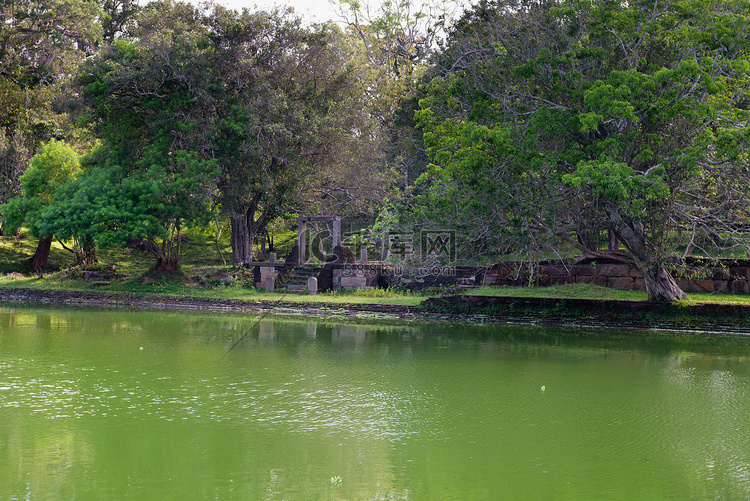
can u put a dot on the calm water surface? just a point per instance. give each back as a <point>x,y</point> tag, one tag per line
<point>125,405</point>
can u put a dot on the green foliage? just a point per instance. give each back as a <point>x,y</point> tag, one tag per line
<point>546,122</point>
<point>619,183</point>
<point>50,171</point>
<point>241,113</point>
<point>41,45</point>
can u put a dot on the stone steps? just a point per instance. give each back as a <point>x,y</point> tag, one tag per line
<point>296,281</point>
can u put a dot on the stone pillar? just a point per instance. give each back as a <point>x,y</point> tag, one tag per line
<point>336,231</point>
<point>301,231</point>
<point>363,256</point>
<point>268,284</point>
<point>273,257</point>
<point>312,285</point>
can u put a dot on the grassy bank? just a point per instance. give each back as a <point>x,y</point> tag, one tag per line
<point>588,291</point>
<point>186,289</point>
<point>202,262</point>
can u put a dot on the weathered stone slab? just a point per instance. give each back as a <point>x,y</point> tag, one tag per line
<point>613,270</point>
<point>639,284</point>
<point>312,285</point>
<point>353,282</point>
<point>585,279</point>
<point>720,273</point>
<point>554,271</point>
<point>566,279</point>
<point>582,269</point>
<point>620,282</point>
<point>635,273</point>
<point>721,285</point>
<point>739,287</point>
<point>268,284</point>
<point>600,281</point>
<point>269,274</point>
<point>701,285</point>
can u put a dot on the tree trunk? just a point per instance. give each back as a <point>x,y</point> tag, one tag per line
<point>660,284</point>
<point>167,255</point>
<point>40,261</point>
<point>242,243</point>
<point>244,229</point>
<point>613,242</point>
<point>166,266</point>
<point>87,257</point>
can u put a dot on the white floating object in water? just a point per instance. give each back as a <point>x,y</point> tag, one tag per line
<point>142,350</point>
<point>542,386</point>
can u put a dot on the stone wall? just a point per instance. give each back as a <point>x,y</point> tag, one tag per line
<point>733,277</point>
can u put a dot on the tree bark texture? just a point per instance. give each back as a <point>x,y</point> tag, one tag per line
<point>244,228</point>
<point>40,261</point>
<point>242,244</point>
<point>660,284</point>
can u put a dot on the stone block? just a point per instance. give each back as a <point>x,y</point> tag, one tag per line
<point>639,284</point>
<point>267,274</point>
<point>719,273</point>
<point>268,284</point>
<point>585,279</point>
<point>620,282</point>
<point>721,285</point>
<point>555,270</point>
<point>353,282</point>
<point>683,284</point>
<point>600,281</point>
<point>635,273</point>
<point>567,279</point>
<point>739,273</point>
<point>739,287</point>
<point>312,285</point>
<point>582,269</point>
<point>613,270</point>
<point>701,285</point>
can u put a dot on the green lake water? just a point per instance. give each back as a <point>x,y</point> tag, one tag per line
<point>118,405</point>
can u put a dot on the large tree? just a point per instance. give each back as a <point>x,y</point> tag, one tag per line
<point>41,45</point>
<point>554,121</point>
<point>146,96</point>
<point>50,171</point>
<point>242,109</point>
<point>395,39</point>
